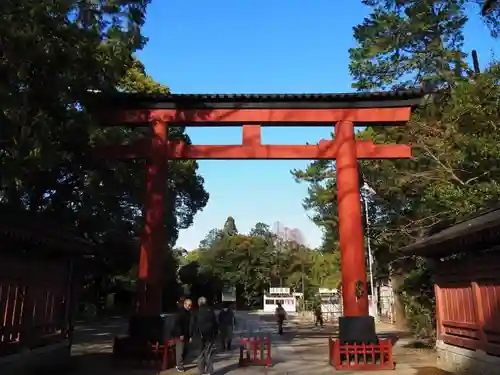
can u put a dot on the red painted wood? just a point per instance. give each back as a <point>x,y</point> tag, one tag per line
<point>255,151</point>
<point>219,117</point>
<point>468,303</point>
<point>31,293</point>
<point>152,241</point>
<point>352,252</point>
<point>361,357</point>
<point>254,346</point>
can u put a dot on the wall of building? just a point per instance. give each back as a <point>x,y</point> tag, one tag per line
<point>468,314</point>
<point>288,303</point>
<point>471,362</point>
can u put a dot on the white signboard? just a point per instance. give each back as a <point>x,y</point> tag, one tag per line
<point>279,290</point>
<point>229,295</point>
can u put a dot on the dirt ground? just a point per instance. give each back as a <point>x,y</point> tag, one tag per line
<point>303,349</point>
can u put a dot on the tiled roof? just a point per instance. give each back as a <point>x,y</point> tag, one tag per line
<point>400,98</point>
<point>481,230</point>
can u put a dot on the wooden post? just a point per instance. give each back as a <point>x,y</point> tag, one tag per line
<point>153,238</point>
<point>481,318</point>
<point>354,291</point>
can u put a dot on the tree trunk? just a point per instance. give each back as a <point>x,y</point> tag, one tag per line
<point>399,308</point>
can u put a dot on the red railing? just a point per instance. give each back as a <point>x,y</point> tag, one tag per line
<point>468,304</point>
<point>33,309</point>
<point>255,351</point>
<point>361,357</point>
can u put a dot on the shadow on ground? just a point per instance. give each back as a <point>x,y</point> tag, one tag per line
<point>92,352</point>
<point>432,371</point>
<point>94,333</point>
<point>102,364</point>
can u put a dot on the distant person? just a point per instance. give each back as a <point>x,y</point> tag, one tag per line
<point>206,326</point>
<point>227,323</point>
<point>280,317</point>
<point>182,333</point>
<point>319,316</point>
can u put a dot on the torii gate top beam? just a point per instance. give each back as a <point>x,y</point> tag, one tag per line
<point>377,108</point>
<point>253,111</point>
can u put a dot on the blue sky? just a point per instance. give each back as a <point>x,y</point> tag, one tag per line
<point>259,46</point>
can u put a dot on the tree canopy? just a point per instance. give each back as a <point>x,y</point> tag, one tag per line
<point>49,67</point>
<point>254,262</point>
<point>454,136</point>
<point>411,42</point>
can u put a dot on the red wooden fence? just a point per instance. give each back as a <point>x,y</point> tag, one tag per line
<point>33,302</point>
<point>468,303</point>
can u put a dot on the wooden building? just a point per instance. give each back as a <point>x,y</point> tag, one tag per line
<point>467,288</point>
<point>37,260</point>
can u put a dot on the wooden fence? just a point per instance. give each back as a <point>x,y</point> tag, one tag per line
<point>34,302</point>
<point>468,303</point>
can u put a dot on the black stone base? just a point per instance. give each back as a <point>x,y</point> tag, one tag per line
<point>357,329</point>
<point>156,328</point>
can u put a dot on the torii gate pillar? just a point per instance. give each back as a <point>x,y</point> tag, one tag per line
<point>150,284</point>
<point>353,265</point>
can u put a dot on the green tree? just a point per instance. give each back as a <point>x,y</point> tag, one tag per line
<point>413,42</point>
<point>406,43</point>
<point>491,14</point>
<point>450,176</point>
<point>453,172</point>
<point>325,270</point>
<point>50,66</point>
<point>321,200</point>
<point>137,80</point>
<point>251,272</point>
<point>212,237</point>
<point>260,229</point>
<point>238,260</point>
<point>230,227</point>
<point>193,255</point>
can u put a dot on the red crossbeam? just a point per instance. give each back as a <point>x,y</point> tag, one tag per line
<point>324,150</point>
<point>252,148</point>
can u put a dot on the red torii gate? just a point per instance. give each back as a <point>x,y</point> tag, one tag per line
<point>343,111</point>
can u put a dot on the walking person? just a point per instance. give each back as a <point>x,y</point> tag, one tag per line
<point>280,317</point>
<point>319,316</point>
<point>207,328</point>
<point>227,323</point>
<point>182,333</point>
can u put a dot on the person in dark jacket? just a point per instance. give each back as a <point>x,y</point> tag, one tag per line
<point>319,316</point>
<point>227,322</point>
<point>207,328</point>
<point>182,332</point>
<point>280,314</point>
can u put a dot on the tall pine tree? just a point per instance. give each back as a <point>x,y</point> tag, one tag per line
<point>404,43</point>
